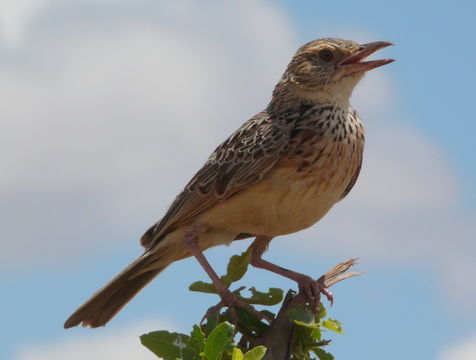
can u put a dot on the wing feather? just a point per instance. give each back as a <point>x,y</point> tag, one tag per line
<point>239,162</point>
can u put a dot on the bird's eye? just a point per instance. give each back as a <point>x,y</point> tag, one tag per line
<point>326,54</point>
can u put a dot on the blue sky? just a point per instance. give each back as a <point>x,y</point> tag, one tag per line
<point>109,107</point>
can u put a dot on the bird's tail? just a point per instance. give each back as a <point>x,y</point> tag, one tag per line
<point>105,303</point>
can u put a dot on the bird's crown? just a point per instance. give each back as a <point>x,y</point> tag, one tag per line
<point>328,69</point>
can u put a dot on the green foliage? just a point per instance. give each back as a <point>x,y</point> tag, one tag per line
<point>256,353</point>
<point>169,346</point>
<point>215,339</point>
<point>219,341</point>
<point>237,267</point>
<point>272,297</point>
<point>307,337</point>
<point>235,270</point>
<point>333,325</point>
<point>217,346</point>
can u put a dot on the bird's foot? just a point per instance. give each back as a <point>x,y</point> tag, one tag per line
<point>230,300</point>
<point>312,290</point>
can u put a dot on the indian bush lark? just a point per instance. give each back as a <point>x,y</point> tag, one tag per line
<point>279,173</point>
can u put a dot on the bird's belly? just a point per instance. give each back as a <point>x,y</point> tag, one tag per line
<point>290,198</point>
<point>296,203</point>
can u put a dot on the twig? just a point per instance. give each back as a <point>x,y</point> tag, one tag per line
<point>338,273</point>
<point>278,338</point>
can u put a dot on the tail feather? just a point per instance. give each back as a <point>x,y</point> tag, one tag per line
<point>105,303</point>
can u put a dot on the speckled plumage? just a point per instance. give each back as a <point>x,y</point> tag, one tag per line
<point>279,173</point>
<point>319,147</point>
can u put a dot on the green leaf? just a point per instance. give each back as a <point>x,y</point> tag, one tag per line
<point>237,291</point>
<point>333,325</point>
<point>225,280</point>
<point>272,297</point>
<point>249,323</point>
<point>218,340</point>
<point>237,267</point>
<point>212,322</point>
<point>316,334</point>
<point>322,312</point>
<point>204,287</point>
<point>270,315</point>
<point>237,354</point>
<point>323,355</point>
<point>256,353</point>
<point>197,339</point>
<point>168,346</point>
<point>301,315</point>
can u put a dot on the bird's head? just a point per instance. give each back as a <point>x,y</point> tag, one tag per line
<point>328,69</point>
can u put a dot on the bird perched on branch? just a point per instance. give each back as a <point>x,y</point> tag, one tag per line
<point>279,173</point>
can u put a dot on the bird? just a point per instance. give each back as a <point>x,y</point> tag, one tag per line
<point>279,173</point>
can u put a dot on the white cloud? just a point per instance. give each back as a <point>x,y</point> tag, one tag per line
<point>17,16</point>
<point>14,18</point>
<point>464,350</point>
<point>108,113</point>
<point>118,344</point>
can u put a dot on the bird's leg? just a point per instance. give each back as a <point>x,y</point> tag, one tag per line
<point>311,288</point>
<point>227,298</point>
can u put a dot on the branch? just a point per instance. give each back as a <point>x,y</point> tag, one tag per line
<point>281,339</point>
<point>277,339</point>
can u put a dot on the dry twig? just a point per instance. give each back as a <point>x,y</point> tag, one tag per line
<point>277,339</point>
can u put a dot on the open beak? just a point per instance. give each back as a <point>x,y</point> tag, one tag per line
<point>354,64</point>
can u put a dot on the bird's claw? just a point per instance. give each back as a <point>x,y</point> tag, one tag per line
<point>312,290</point>
<point>229,300</point>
